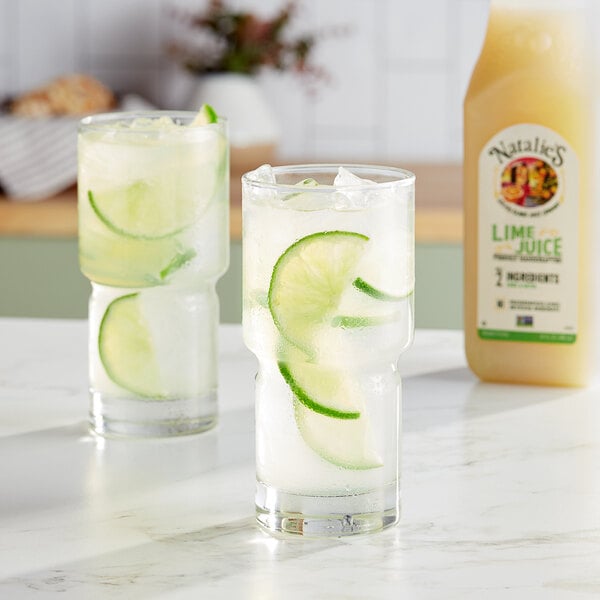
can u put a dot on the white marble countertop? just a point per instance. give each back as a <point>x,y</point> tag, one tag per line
<point>501,490</point>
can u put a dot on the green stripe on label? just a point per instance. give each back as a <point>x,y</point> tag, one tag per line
<point>527,336</point>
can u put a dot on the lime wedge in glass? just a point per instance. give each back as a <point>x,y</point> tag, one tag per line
<point>206,115</point>
<point>360,284</point>
<point>169,191</point>
<point>321,389</point>
<point>356,321</point>
<point>346,443</point>
<point>127,262</point>
<point>369,306</point>
<point>143,209</point>
<point>126,348</point>
<point>308,281</point>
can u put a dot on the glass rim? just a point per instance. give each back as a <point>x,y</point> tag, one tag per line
<point>98,121</point>
<point>403,177</point>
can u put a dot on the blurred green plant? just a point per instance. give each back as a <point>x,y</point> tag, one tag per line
<point>220,39</point>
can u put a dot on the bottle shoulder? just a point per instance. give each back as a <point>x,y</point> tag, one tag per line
<point>549,46</point>
<point>529,86</point>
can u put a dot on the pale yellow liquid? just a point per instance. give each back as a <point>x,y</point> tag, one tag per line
<point>533,68</point>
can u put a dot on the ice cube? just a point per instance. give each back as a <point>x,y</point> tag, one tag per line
<point>264,174</point>
<point>345,178</point>
<point>350,199</point>
<point>145,123</point>
<point>360,193</point>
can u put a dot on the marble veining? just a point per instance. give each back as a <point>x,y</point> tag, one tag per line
<point>501,490</point>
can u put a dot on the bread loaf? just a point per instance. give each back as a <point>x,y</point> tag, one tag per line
<point>69,95</point>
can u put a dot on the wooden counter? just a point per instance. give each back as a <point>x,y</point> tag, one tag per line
<point>438,209</point>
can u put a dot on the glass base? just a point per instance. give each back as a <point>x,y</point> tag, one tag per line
<point>138,417</point>
<point>326,516</point>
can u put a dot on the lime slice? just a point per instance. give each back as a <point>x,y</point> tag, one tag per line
<point>347,443</point>
<point>206,115</point>
<point>145,210</point>
<point>308,182</point>
<point>354,321</point>
<point>320,389</point>
<point>126,262</point>
<point>179,260</point>
<point>168,186</point>
<point>126,348</point>
<point>304,200</point>
<point>308,280</point>
<point>367,288</point>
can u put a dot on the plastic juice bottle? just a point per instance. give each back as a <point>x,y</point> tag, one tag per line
<point>529,261</point>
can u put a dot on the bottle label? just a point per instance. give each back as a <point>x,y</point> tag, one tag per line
<point>528,246</point>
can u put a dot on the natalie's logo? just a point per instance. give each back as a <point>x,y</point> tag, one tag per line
<point>528,182</point>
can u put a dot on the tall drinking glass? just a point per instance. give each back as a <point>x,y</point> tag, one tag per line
<point>328,308</point>
<point>153,240</point>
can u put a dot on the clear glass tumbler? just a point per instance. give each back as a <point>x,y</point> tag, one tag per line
<point>328,309</point>
<point>153,241</point>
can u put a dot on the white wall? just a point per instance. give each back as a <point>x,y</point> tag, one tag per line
<point>397,79</point>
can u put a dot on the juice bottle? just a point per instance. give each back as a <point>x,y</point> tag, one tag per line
<point>528,162</point>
